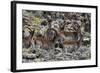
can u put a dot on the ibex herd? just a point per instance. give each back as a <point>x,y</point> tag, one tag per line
<point>54,33</point>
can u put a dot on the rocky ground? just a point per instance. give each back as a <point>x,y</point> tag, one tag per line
<point>82,53</point>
